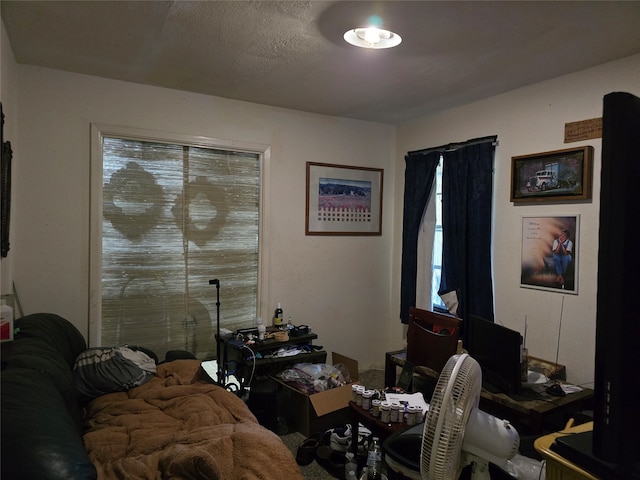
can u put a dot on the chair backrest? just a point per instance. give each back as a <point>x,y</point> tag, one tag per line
<point>431,338</point>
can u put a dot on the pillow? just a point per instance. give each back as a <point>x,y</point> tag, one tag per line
<point>178,355</point>
<point>111,369</point>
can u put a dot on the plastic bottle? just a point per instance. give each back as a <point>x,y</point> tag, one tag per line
<point>374,460</point>
<point>278,317</point>
<point>350,467</point>
<point>385,412</point>
<point>261,328</point>
<point>366,399</point>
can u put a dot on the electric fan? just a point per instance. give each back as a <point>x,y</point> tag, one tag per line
<point>457,433</point>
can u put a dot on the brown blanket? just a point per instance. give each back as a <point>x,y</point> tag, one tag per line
<point>177,426</point>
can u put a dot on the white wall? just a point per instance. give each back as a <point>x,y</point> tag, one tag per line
<point>531,120</point>
<point>8,95</point>
<point>337,285</point>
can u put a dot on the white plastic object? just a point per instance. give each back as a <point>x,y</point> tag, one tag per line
<point>261,328</point>
<point>457,433</point>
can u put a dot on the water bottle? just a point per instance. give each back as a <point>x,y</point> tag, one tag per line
<point>261,328</point>
<point>374,460</point>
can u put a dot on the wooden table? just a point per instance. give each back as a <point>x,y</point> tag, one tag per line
<point>558,467</point>
<point>532,408</point>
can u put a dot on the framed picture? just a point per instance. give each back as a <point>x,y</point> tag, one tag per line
<point>343,200</point>
<point>558,176</point>
<point>550,253</point>
<point>6,155</point>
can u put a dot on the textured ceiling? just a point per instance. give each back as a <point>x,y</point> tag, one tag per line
<point>291,53</point>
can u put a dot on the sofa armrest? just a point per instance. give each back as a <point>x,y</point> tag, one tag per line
<point>40,438</point>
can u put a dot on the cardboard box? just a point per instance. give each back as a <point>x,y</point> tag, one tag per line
<point>321,411</point>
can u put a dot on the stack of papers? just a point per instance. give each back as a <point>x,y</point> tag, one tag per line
<point>412,399</point>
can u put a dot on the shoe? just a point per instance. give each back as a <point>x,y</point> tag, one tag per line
<point>306,451</point>
<point>340,439</point>
<point>332,461</point>
<point>323,454</point>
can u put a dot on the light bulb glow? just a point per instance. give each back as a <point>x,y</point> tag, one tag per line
<point>372,37</point>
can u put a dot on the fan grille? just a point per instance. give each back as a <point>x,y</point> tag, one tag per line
<point>456,394</point>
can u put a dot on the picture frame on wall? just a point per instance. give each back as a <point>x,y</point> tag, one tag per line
<point>552,177</point>
<point>549,258</point>
<point>343,200</point>
<point>6,157</point>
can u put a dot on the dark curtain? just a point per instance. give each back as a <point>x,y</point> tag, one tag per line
<point>467,208</point>
<point>419,174</point>
<point>467,193</point>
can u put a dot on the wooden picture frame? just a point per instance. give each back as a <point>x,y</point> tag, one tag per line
<point>559,176</point>
<point>541,267</point>
<point>6,156</point>
<point>343,200</point>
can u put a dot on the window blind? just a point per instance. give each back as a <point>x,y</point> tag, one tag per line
<point>174,217</point>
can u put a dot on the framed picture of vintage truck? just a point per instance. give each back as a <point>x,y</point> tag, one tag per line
<point>552,177</point>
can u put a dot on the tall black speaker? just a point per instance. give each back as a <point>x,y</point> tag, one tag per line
<point>616,432</point>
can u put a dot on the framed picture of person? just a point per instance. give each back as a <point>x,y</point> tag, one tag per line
<point>550,253</point>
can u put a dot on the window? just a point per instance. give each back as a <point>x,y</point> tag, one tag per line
<point>436,260</point>
<point>175,215</point>
<point>429,264</point>
<point>467,194</point>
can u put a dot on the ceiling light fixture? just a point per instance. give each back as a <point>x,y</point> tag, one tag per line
<point>372,37</point>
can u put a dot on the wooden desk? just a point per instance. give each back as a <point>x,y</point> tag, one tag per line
<point>378,428</point>
<point>559,468</point>
<point>534,409</point>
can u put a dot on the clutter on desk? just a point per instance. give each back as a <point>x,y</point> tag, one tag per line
<point>391,405</point>
<point>310,378</point>
<point>279,352</point>
<point>273,342</point>
<point>278,336</point>
<point>299,331</point>
<point>568,388</point>
<point>262,333</point>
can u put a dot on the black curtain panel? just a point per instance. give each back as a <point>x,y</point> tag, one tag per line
<point>467,208</point>
<point>419,174</point>
<point>467,193</point>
